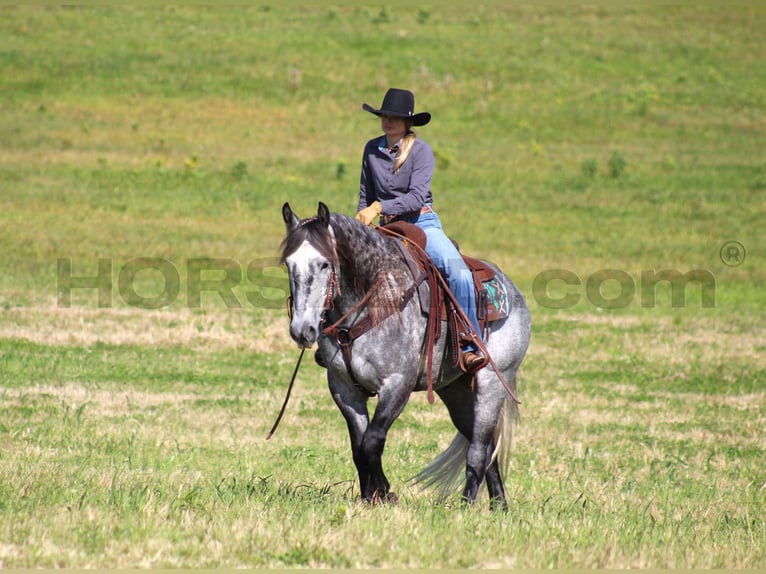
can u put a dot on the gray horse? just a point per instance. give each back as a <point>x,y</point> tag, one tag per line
<point>342,272</point>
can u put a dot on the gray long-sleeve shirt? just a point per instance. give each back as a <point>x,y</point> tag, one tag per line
<point>407,190</point>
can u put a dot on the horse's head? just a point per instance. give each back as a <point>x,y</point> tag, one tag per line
<point>308,250</point>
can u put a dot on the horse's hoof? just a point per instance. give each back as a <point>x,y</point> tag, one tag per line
<point>388,498</point>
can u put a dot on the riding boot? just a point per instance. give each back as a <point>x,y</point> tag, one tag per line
<point>473,360</point>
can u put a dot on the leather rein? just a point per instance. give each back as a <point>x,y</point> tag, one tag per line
<point>345,336</point>
<point>333,286</point>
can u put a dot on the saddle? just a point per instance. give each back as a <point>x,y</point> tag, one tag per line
<point>492,301</point>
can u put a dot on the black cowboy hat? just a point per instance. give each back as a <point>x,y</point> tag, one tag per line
<point>400,104</point>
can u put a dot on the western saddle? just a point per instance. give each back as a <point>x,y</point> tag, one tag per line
<point>438,303</point>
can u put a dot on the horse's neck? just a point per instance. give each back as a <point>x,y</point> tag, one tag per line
<point>364,256</point>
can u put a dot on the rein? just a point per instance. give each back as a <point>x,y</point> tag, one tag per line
<point>287,396</point>
<point>345,337</point>
<point>334,328</point>
<point>332,286</point>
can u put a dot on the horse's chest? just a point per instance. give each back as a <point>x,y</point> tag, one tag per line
<point>371,362</point>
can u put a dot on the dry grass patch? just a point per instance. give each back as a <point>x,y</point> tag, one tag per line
<point>236,329</point>
<point>180,418</point>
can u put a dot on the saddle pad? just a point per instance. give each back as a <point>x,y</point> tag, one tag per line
<point>497,298</point>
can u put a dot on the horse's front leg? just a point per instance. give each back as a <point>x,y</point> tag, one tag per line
<point>392,399</point>
<point>353,405</point>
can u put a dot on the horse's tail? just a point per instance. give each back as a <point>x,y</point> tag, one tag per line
<point>446,472</point>
<point>509,416</point>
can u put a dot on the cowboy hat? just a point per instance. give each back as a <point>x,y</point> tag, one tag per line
<point>400,104</point>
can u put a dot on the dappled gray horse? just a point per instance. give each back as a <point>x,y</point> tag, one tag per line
<point>341,270</point>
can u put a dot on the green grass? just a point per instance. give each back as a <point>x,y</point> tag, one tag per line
<point>164,451</point>
<point>582,139</point>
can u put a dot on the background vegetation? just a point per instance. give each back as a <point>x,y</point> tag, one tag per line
<point>578,139</point>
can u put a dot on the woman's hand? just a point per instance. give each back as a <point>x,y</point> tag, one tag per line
<point>369,213</point>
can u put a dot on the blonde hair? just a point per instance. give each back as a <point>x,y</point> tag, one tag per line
<point>405,147</point>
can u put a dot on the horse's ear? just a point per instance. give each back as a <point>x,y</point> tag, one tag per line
<point>323,213</point>
<point>291,220</point>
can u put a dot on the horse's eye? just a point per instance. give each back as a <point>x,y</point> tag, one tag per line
<point>325,265</point>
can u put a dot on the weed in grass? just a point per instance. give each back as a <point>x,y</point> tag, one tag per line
<point>617,165</point>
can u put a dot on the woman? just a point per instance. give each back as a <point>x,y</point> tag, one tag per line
<point>396,185</point>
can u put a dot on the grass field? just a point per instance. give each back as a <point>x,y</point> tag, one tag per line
<point>569,141</point>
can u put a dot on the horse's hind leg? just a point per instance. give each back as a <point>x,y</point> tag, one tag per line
<point>476,461</point>
<point>461,402</point>
<point>495,487</point>
<point>459,398</point>
<point>475,416</point>
<point>486,410</point>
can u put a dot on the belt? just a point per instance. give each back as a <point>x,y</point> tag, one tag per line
<point>386,219</point>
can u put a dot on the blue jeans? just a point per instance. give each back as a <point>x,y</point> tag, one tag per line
<point>450,263</point>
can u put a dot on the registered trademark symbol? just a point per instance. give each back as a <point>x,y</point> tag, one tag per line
<point>733,253</point>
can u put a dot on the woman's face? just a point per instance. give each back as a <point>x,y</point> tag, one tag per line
<point>393,127</point>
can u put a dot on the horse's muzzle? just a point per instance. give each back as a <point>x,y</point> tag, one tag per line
<point>304,334</point>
